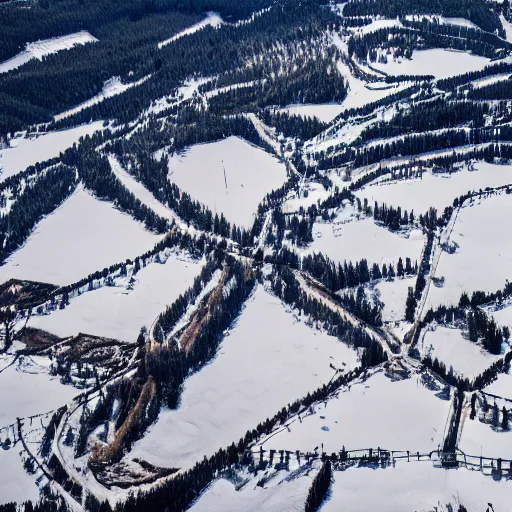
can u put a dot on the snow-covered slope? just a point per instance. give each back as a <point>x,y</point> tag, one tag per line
<point>40,49</point>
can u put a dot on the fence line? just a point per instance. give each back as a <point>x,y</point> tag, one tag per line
<point>496,466</point>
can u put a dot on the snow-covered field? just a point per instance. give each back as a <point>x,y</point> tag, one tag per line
<point>503,316</point>
<point>82,236</point>
<point>267,360</point>
<point>315,192</point>
<point>502,386</point>
<point>29,150</point>
<point>45,47</point>
<point>16,485</point>
<point>393,294</point>
<point>450,347</point>
<point>480,439</point>
<point>400,415</point>
<point>250,174</point>
<point>325,112</point>
<point>437,62</point>
<point>28,389</point>
<point>416,486</point>
<point>436,190</point>
<point>365,239</point>
<point>212,19</point>
<point>285,491</point>
<point>119,312</point>
<point>483,260</point>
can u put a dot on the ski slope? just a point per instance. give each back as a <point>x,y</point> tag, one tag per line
<point>16,485</point>
<point>393,295</point>
<point>449,346</point>
<point>477,232</point>
<point>365,239</point>
<point>415,486</point>
<point>28,389</point>
<point>482,439</point>
<point>436,190</point>
<point>284,491</point>
<point>40,49</point>
<point>212,19</point>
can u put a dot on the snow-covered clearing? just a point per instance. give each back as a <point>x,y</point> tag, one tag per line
<point>325,112</point>
<point>212,19</point>
<point>260,366</point>
<point>120,311</point>
<point>376,25</point>
<point>503,316</point>
<point>16,485</point>
<point>250,173</point>
<point>480,438</point>
<point>393,295</point>
<point>365,239</point>
<point>82,236</point>
<point>111,87</point>
<point>489,80</point>
<point>441,20</point>
<point>508,28</point>
<point>404,487</point>
<point>284,491</point>
<point>438,62</point>
<point>436,190</point>
<point>479,236</point>
<point>45,47</point>
<point>360,93</point>
<point>28,389</point>
<point>315,192</point>
<point>416,486</point>
<point>378,412</point>
<point>140,191</point>
<point>455,351</point>
<point>26,150</point>
<point>502,386</point>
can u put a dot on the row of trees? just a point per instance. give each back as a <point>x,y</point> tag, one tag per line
<point>291,125</point>
<point>287,288</point>
<point>477,11</point>
<point>416,144</point>
<point>430,115</point>
<point>39,198</point>
<point>336,277</point>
